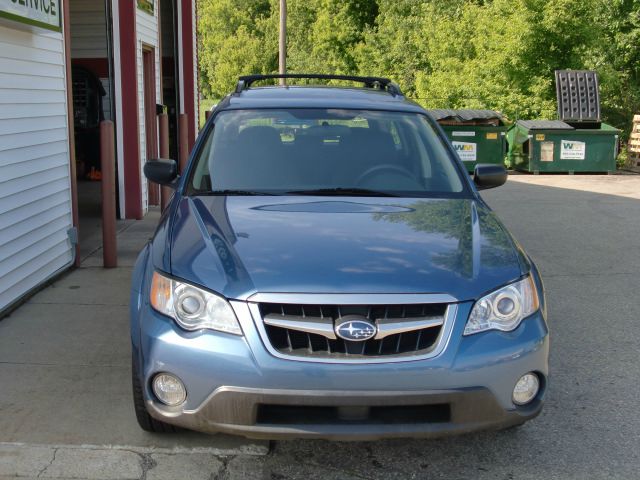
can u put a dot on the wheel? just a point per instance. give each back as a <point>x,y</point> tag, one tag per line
<point>146,421</point>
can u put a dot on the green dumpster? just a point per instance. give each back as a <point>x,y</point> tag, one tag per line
<point>477,135</point>
<point>554,146</point>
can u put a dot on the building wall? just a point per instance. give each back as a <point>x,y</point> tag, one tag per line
<point>88,29</point>
<point>147,31</point>
<point>35,196</point>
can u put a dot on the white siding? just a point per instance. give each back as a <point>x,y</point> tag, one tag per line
<point>35,196</point>
<point>147,31</point>
<point>88,29</point>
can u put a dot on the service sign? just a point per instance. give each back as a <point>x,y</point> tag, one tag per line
<point>39,13</point>
<point>572,150</point>
<point>467,151</point>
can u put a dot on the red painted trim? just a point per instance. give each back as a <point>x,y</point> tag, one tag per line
<point>130,121</point>
<point>188,64</point>
<point>99,66</point>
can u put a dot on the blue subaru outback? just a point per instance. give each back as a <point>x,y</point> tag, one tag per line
<point>327,269</point>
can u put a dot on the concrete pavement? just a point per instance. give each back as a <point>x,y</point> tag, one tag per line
<point>64,366</point>
<point>65,394</point>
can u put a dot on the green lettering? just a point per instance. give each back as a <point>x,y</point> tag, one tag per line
<point>52,7</point>
<point>45,7</point>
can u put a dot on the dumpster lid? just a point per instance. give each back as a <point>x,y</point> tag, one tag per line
<point>545,125</point>
<point>465,115</point>
<point>578,94</point>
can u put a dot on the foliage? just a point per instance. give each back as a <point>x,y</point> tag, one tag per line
<point>497,54</point>
<point>236,38</point>
<point>618,59</point>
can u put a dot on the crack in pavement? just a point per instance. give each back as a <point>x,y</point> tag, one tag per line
<point>53,459</point>
<point>221,474</point>
<point>147,463</point>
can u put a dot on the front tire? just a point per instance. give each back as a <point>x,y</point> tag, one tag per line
<point>146,421</point>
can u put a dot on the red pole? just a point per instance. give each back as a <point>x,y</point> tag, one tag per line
<point>108,167</point>
<point>163,131</point>
<point>183,147</point>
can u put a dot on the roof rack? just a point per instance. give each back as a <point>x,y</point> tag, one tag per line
<point>379,83</point>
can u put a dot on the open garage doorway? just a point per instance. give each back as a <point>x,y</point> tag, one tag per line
<point>150,115</point>
<point>127,68</point>
<point>170,81</point>
<point>92,91</point>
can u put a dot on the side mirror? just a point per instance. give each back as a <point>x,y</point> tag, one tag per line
<point>161,171</point>
<point>489,176</point>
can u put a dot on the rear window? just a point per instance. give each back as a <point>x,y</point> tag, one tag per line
<point>292,151</point>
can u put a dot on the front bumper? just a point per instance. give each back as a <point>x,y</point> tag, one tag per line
<point>230,381</point>
<point>235,410</point>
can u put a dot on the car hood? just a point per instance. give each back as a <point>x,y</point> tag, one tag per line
<point>239,245</point>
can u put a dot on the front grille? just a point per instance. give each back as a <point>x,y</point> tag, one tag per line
<point>387,415</point>
<point>419,327</point>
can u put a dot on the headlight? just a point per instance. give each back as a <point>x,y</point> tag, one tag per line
<point>191,307</point>
<point>504,309</point>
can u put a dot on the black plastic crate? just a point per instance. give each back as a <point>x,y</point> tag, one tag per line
<point>578,95</point>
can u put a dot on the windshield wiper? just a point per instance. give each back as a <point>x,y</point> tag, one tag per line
<point>363,192</point>
<point>235,192</point>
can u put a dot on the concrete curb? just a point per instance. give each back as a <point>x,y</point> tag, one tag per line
<point>115,462</point>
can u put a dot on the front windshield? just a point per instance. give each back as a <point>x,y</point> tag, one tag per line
<point>321,151</point>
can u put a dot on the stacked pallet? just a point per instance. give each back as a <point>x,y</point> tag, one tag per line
<point>634,143</point>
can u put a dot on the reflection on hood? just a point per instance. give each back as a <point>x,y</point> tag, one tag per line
<point>241,245</point>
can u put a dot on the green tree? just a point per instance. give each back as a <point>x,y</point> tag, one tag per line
<point>235,38</point>
<point>616,58</point>
<point>323,34</point>
<point>497,54</point>
<point>502,54</point>
<point>394,46</point>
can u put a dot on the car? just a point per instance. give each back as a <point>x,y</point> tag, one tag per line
<point>326,268</point>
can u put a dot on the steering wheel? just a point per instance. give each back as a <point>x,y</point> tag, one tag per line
<point>387,167</point>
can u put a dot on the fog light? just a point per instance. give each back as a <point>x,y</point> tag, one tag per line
<point>526,389</point>
<point>169,389</point>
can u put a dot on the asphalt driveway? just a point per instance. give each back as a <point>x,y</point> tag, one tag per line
<point>584,234</point>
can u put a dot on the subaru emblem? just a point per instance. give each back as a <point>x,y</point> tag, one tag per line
<point>355,328</point>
